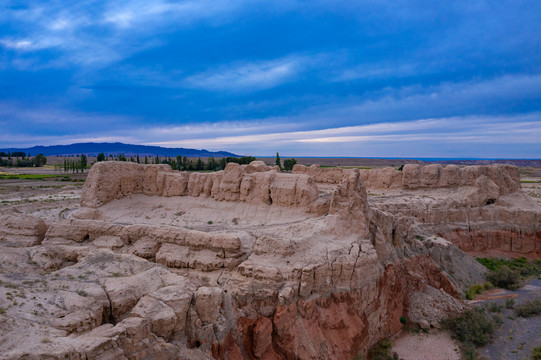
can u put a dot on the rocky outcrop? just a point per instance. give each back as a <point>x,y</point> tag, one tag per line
<point>27,231</point>
<point>171,246</point>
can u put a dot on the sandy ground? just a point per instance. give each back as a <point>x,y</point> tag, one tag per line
<point>433,345</point>
<point>50,198</point>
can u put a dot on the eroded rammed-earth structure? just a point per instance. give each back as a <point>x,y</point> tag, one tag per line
<point>252,263</point>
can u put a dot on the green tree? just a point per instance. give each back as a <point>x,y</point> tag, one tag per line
<point>138,160</point>
<point>211,164</point>
<point>289,163</point>
<point>278,162</point>
<point>84,162</point>
<point>184,163</point>
<point>101,157</point>
<point>245,160</point>
<point>40,160</point>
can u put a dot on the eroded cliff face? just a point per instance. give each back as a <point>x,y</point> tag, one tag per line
<point>481,209</point>
<point>251,263</point>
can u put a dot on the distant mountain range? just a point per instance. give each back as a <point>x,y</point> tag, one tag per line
<point>93,149</point>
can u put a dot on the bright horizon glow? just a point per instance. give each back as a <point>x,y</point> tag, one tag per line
<point>352,79</point>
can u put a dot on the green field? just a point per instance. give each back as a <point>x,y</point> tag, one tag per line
<point>9,176</point>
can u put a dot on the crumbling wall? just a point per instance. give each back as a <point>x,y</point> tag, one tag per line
<point>414,176</point>
<point>254,183</point>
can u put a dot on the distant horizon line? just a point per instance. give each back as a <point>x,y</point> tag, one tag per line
<point>422,158</point>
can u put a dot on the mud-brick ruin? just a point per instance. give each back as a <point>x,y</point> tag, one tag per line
<point>253,263</point>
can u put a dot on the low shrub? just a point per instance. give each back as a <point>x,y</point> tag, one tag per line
<point>382,351</point>
<point>477,289</point>
<point>495,307</point>
<point>473,328</point>
<point>509,303</point>
<point>529,308</point>
<point>505,277</point>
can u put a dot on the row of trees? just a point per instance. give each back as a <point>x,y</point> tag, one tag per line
<point>180,162</point>
<point>36,161</point>
<point>73,165</point>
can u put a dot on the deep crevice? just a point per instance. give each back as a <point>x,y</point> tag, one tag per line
<point>108,318</point>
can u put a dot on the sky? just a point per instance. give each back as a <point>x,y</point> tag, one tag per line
<point>447,79</point>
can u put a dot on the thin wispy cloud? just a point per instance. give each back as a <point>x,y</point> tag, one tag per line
<point>100,32</point>
<point>128,14</point>
<point>456,129</point>
<point>249,76</point>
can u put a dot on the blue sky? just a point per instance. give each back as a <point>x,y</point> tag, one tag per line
<point>305,78</point>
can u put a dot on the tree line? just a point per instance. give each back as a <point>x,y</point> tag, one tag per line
<point>19,159</point>
<point>80,163</point>
<point>180,162</point>
<point>73,165</point>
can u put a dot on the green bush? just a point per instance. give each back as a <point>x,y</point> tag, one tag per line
<point>509,303</point>
<point>474,290</point>
<point>529,308</point>
<point>382,351</point>
<point>289,163</point>
<point>505,277</point>
<point>477,289</point>
<point>403,320</point>
<point>495,308</point>
<point>473,327</point>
